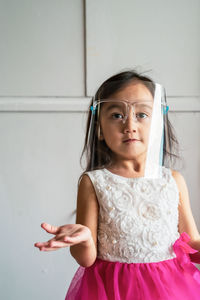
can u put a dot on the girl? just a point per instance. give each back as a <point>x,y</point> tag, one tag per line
<point>135,236</point>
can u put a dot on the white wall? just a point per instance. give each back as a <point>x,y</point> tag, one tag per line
<point>53,55</point>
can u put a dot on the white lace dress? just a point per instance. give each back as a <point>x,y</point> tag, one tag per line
<point>140,253</point>
<point>138,217</point>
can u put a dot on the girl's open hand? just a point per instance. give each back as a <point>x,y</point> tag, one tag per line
<point>65,236</point>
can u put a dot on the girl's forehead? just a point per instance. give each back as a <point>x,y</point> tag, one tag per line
<point>134,91</point>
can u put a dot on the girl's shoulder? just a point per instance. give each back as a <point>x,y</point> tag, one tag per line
<point>180,181</point>
<point>171,172</point>
<point>181,186</point>
<point>178,177</point>
<point>95,175</point>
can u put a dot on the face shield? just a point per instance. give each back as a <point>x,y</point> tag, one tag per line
<point>133,125</point>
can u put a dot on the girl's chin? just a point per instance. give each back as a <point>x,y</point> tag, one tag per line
<point>130,151</point>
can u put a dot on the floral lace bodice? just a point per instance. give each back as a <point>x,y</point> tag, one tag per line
<point>138,217</point>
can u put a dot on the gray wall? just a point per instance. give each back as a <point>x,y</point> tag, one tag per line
<point>53,56</point>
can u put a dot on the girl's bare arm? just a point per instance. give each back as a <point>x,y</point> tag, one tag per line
<point>82,236</point>
<point>186,219</point>
<point>87,215</point>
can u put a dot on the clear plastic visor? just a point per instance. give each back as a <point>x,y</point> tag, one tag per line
<point>119,110</point>
<point>141,111</point>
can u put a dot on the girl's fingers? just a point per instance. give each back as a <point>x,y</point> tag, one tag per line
<point>65,236</point>
<point>48,249</point>
<point>53,242</point>
<point>49,228</point>
<point>73,240</point>
<point>58,244</point>
<point>66,242</point>
<point>54,245</point>
<point>41,244</point>
<point>44,244</point>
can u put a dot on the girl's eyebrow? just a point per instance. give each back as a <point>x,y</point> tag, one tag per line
<point>146,105</point>
<point>111,106</point>
<point>115,105</point>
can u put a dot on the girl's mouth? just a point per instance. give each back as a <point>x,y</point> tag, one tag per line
<point>131,141</point>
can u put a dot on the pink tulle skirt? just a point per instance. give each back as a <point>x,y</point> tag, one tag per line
<point>176,278</point>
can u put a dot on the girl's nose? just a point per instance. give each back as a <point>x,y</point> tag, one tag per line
<point>131,123</point>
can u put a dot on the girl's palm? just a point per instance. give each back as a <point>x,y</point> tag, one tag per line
<point>65,236</point>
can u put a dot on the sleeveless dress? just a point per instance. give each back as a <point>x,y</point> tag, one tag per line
<point>140,253</point>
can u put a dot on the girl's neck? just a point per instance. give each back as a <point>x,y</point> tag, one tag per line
<point>127,169</point>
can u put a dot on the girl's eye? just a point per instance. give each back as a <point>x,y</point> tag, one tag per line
<point>142,115</point>
<point>117,116</point>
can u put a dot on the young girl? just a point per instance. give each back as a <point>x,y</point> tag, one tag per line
<point>135,236</point>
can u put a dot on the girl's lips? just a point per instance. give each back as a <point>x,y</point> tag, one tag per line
<point>131,140</point>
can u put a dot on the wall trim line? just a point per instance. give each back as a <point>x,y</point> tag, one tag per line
<point>81,104</point>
